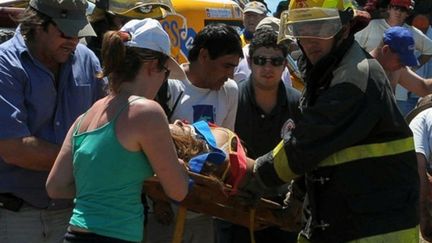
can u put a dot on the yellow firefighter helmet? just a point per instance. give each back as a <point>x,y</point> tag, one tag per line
<point>314,18</point>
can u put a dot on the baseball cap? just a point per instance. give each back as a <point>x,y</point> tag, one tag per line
<point>269,21</point>
<point>68,15</point>
<point>401,41</point>
<point>408,4</point>
<point>148,33</point>
<point>256,7</point>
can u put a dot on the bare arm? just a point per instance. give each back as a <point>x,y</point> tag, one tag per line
<point>61,182</point>
<point>425,200</point>
<point>155,140</point>
<point>414,83</point>
<point>29,152</point>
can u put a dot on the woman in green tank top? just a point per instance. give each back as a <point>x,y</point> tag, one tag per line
<point>121,140</point>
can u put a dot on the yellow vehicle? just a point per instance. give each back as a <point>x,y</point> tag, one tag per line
<point>181,19</point>
<point>192,15</point>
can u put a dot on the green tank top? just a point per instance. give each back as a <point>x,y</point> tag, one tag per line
<point>108,181</point>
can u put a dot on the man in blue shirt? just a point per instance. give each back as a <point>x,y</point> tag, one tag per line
<point>47,80</point>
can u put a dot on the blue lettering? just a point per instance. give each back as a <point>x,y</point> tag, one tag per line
<point>174,30</point>
<point>165,26</point>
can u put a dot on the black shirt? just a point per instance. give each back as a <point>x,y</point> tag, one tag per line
<point>259,131</point>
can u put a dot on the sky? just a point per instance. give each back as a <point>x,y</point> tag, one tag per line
<point>272,4</point>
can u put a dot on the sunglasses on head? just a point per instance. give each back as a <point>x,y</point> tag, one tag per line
<point>399,8</point>
<point>275,61</point>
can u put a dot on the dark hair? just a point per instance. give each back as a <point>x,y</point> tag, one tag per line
<point>266,37</point>
<point>122,63</point>
<point>263,2</point>
<point>30,19</point>
<point>282,6</point>
<point>218,39</point>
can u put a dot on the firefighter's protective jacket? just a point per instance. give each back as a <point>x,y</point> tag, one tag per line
<point>355,149</point>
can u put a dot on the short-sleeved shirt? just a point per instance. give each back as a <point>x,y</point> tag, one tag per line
<point>261,132</point>
<point>32,105</point>
<point>195,104</point>
<point>370,37</point>
<point>425,71</point>
<point>421,126</point>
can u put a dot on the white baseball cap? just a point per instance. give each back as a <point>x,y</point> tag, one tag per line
<point>148,33</point>
<point>255,7</point>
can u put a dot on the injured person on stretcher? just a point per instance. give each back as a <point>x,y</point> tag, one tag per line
<point>217,164</point>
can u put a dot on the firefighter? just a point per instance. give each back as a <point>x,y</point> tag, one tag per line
<point>351,144</point>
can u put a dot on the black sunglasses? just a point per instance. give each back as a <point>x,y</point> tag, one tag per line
<point>399,8</point>
<point>275,61</point>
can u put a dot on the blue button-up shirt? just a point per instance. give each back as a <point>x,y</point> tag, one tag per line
<point>31,105</point>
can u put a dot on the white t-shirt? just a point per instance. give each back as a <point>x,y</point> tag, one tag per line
<point>371,36</point>
<point>195,104</point>
<point>425,71</point>
<point>421,126</point>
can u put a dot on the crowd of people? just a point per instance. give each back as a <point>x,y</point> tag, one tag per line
<point>81,132</point>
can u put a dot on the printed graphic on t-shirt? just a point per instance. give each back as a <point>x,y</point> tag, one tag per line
<point>203,113</point>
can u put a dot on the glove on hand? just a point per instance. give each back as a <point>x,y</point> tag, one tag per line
<point>292,212</point>
<point>252,188</point>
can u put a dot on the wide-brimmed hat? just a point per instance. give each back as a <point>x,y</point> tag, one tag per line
<point>149,34</point>
<point>423,104</point>
<point>69,15</point>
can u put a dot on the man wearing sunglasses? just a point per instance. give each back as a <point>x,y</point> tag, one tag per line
<point>47,80</point>
<point>242,71</point>
<point>265,105</point>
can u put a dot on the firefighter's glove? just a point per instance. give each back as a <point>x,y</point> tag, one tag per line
<point>252,187</point>
<point>292,211</point>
